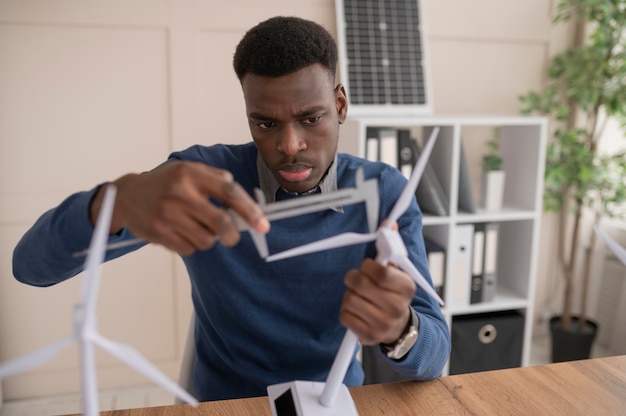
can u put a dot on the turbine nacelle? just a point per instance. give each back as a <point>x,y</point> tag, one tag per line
<point>389,246</point>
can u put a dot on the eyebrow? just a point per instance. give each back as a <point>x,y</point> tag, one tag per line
<point>310,111</point>
<point>301,114</point>
<point>259,116</point>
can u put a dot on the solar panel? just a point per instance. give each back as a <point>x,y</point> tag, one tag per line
<point>382,56</point>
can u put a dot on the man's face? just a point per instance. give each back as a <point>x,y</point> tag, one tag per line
<point>294,121</point>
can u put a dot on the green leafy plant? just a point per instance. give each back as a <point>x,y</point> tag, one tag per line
<point>492,159</point>
<point>586,87</point>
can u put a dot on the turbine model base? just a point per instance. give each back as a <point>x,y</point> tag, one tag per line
<point>302,398</point>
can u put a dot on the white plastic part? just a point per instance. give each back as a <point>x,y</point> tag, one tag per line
<point>85,332</point>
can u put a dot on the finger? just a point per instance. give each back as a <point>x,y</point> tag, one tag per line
<point>363,305</point>
<point>381,306</point>
<point>388,277</point>
<point>183,236</point>
<point>373,323</point>
<point>210,221</point>
<point>196,235</point>
<point>352,317</point>
<point>360,328</point>
<point>175,242</point>
<point>359,287</point>
<point>194,195</point>
<point>220,184</point>
<point>374,305</point>
<point>182,246</point>
<point>394,227</point>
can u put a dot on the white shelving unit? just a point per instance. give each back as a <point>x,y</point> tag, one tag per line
<point>522,145</point>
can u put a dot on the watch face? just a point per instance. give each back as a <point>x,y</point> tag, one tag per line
<point>404,344</point>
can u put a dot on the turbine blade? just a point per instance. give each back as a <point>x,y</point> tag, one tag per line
<point>97,248</point>
<point>260,243</point>
<point>112,246</point>
<point>34,359</point>
<point>404,200</point>
<point>405,264</point>
<point>340,240</point>
<point>619,251</point>
<point>134,359</point>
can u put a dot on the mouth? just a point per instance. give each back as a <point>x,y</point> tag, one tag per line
<point>295,173</point>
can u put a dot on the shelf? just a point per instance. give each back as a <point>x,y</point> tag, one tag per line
<point>505,214</point>
<point>481,215</point>
<point>522,146</point>
<point>503,301</point>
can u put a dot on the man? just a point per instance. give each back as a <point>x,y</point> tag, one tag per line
<point>261,323</point>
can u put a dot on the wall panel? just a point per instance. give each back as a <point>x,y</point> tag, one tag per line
<point>468,77</point>
<point>79,105</point>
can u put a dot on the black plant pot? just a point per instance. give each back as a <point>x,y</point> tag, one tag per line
<point>572,344</point>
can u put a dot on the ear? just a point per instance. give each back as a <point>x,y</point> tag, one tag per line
<point>341,102</point>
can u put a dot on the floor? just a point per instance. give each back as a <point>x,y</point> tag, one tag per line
<point>149,396</point>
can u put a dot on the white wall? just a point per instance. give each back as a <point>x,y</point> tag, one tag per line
<point>92,90</point>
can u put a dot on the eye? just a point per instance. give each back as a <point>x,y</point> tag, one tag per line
<point>312,120</point>
<point>265,125</point>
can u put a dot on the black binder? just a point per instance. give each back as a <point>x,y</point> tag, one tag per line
<point>430,194</point>
<point>436,264</point>
<point>478,264</point>
<point>467,201</point>
<point>490,268</point>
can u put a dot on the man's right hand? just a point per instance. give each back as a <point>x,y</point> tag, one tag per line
<point>170,206</point>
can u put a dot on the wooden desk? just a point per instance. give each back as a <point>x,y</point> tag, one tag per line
<point>590,387</point>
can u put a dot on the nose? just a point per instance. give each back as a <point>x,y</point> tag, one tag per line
<point>291,140</point>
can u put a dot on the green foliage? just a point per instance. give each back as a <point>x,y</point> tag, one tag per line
<point>590,79</point>
<point>569,169</point>
<point>586,86</point>
<point>610,185</point>
<point>492,159</point>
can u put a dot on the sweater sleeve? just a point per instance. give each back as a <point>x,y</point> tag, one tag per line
<point>44,255</point>
<point>425,361</point>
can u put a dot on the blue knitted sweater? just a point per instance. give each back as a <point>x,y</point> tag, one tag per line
<point>260,323</point>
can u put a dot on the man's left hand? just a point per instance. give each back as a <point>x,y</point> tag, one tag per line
<point>376,304</point>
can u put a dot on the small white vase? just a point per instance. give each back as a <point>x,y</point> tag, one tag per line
<point>493,189</point>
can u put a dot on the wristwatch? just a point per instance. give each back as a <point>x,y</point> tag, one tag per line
<point>406,341</point>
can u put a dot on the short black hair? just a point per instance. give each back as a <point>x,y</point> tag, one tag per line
<point>282,45</point>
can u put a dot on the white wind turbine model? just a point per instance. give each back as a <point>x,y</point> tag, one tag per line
<point>390,248</point>
<point>85,329</point>
<point>619,251</point>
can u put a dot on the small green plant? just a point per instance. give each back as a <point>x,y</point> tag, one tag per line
<point>492,159</point>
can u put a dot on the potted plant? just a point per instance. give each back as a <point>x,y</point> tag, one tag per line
<point>493,174</point>
<point>586,87</point>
